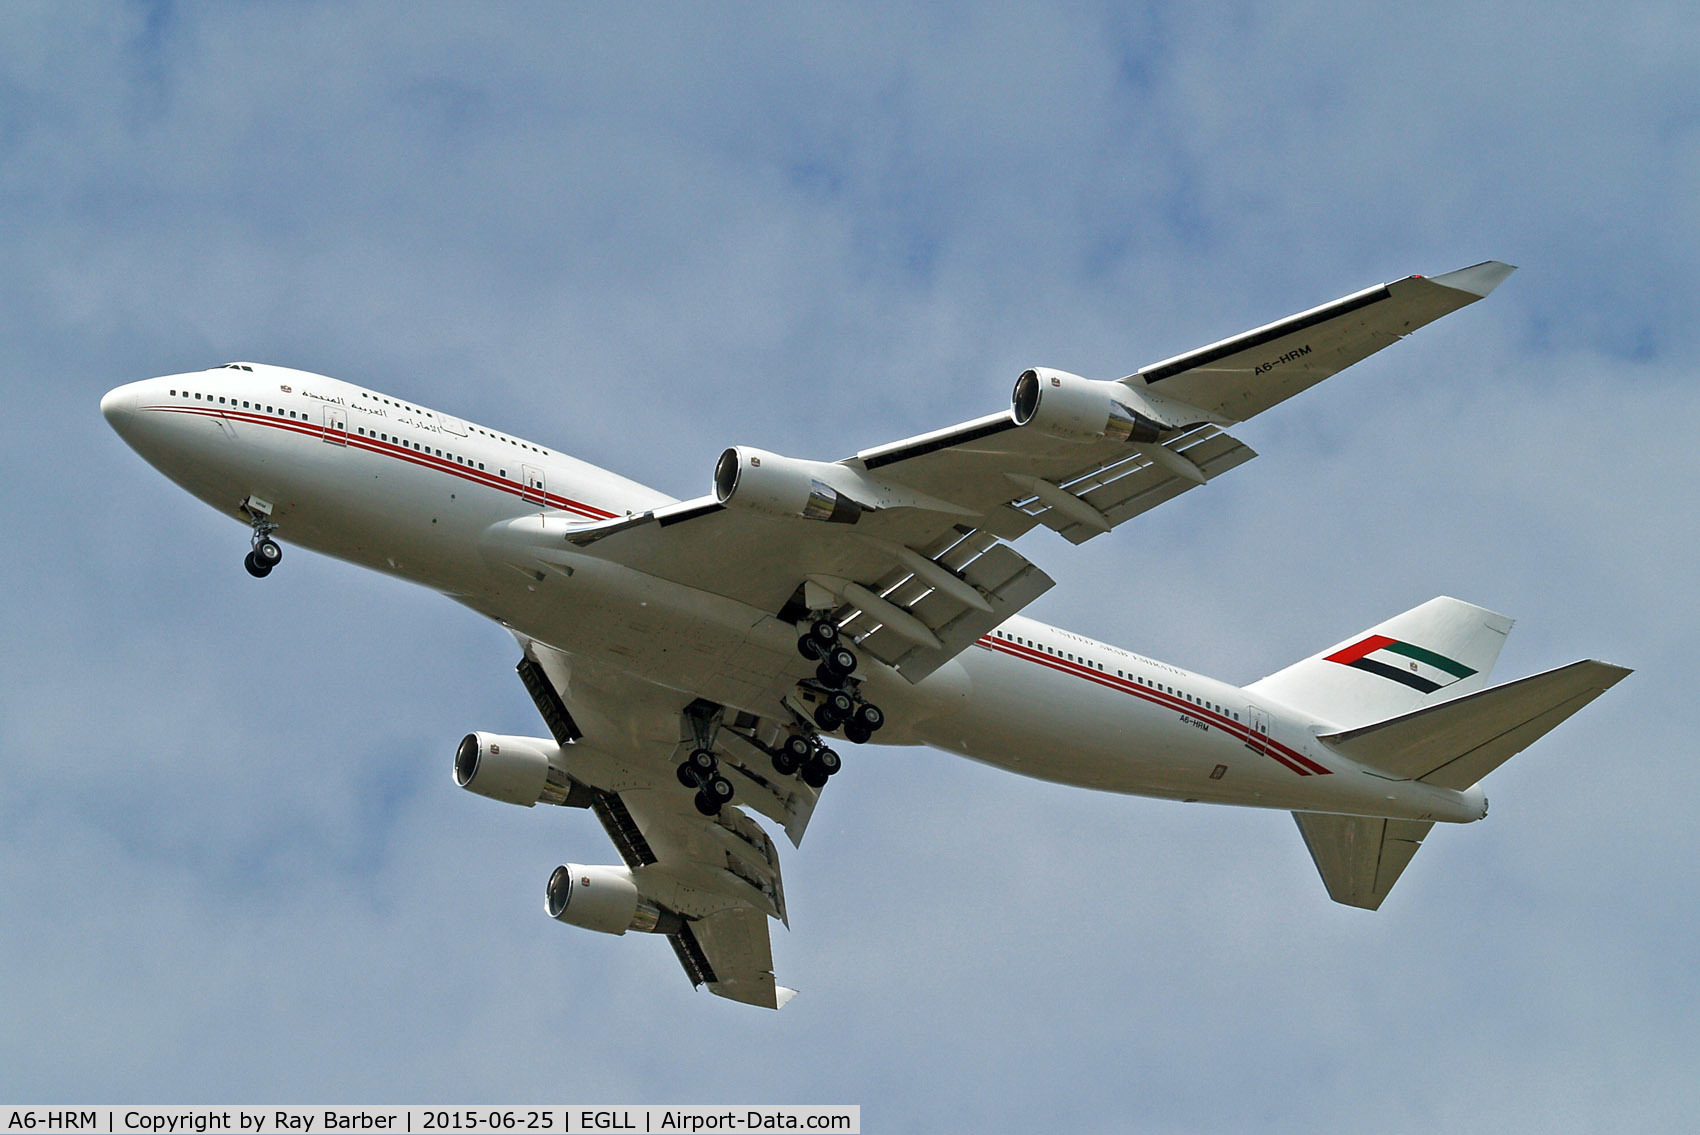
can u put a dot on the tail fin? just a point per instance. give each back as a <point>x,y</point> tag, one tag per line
<point>1439,651</point>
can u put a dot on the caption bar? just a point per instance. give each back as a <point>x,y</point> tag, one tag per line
<point>555,1120</point>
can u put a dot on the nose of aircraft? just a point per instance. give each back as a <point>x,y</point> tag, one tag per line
<point>119,405</point>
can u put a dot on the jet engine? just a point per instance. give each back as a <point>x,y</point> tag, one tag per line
<point>605,899</point>
<point>783,486</point>
<point>516,770</point>
<point>1067,406</point>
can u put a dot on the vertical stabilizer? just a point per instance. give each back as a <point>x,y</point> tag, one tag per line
<point>1430,654</point>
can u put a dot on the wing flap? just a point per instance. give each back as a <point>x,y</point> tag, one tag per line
<point>1360,858</point>
<point>1138,481</point>
<point>739,954</point>
<point>1004,579</point>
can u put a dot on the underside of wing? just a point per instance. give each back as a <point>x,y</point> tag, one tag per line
<point>709,882</point>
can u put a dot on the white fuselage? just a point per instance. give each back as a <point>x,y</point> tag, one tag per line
<point>402,489</point>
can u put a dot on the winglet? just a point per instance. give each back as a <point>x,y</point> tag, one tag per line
<point>1478,279</point>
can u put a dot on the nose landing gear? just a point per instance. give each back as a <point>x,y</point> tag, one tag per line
<point>264,552</point>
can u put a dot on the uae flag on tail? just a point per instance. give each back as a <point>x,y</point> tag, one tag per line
<point>1402,662</point>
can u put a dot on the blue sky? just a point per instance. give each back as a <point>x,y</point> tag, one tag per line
<point>235,866</point>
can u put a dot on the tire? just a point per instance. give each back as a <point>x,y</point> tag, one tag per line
<point>809,648</point>
<point>824,631</point>
<point>843,705</point>
<point>828,761</point>
<point>856,733</point>
<point>827,718</point>
<point>255,567</point>
<point>718,789</point>
<point>706,804</point>
<point>268,552</point>
<point>784,763</point>
<point>798,748</point>
<point>870,715</point>
<point>814,776</point>
<point>688,776</point>
<point>841,660</point>
<point>702,764</point>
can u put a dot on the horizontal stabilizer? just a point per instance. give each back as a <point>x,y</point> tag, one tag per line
<point>1456,743</point>
<point>1359,857</point>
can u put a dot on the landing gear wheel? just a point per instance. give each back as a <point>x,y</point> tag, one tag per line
<point>255,568</point>
<point>719,790</point>
<point>827,718</point>
<point>790,756</point>
<point>856,733</point>
<point>706,804</point>
<point>870,716</point>
<point>267,552</point>
<point>701,762</point>
<point>840,660</point>
<point>809,647</point>
<point>688,776</point>
<point>824,631</point>
<point>843,705</point>
<point>820,767</point>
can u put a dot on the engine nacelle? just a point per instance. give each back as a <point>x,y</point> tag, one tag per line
<point>1065,405</point>
<point>606,899</point>
<point>783,486</point>
<point>516,770</point>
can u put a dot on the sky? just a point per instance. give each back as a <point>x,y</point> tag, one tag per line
<point>233,865</point>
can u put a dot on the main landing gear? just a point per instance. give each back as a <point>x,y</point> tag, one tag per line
<point>701,768</point>
<point>840,703</point>
<point>805,756</point>
<point>264,552</point>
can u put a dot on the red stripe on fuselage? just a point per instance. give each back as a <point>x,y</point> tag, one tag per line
<point>472,473</point>
<point>1288,758</point>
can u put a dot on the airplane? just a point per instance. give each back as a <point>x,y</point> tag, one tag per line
<point>693,659</point>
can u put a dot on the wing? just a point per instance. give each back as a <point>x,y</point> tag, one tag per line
<point>908,543</point>
<point>1249,373</point>
<point>620,740</point>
